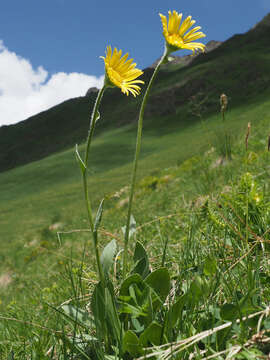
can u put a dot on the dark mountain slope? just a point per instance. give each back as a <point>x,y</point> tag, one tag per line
<point>240,67</point>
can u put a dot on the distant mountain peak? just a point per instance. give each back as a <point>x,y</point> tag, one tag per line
<point>91,90</point>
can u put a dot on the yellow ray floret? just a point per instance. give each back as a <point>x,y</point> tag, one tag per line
<point>177,35</point>
<point>121,72</point>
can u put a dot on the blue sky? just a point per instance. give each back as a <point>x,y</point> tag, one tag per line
<point>48,41</point>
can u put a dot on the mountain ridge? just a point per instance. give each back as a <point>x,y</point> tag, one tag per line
<point>242,58</point>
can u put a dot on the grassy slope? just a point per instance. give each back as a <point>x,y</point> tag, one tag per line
<point>38,262</point>
<point>31,194</point>
<point>49,191</point>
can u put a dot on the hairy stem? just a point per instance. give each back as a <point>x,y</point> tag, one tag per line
<point>93,120</point>
<point>136,157</point>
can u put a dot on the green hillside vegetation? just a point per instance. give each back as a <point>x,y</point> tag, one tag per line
<point>202,217</point>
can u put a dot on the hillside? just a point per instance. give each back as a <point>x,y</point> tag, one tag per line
<point>185,198</point>
<point>243,59</point>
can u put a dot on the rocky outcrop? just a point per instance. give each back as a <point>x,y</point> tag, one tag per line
<point>91,90</point>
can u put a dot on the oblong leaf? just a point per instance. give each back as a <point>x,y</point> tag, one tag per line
<point>131,344</point>
<point>78,315</point>
<point>210,266</point>
<point>141,261</point>
<point>152,335</point>
<point>107,256</point>
<point>99,309</point>
<point>132,279</point>
<point>229,312</point>
<point>174,313</point>
<point>159,280</point>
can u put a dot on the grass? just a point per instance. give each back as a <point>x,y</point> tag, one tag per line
<point>174,173</point>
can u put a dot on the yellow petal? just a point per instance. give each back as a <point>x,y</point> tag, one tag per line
<point>180,36</point>
<point>122,72</point>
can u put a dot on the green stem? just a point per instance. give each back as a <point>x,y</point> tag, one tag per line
<point>93,120</point>
<point>136,157</point>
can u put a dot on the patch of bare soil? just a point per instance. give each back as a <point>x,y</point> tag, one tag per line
<point>5,279</point>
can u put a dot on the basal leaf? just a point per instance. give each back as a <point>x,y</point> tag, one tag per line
<point>135,312</point>
<point>152,335</point>
<point>98,309</point>
<point>229,312</point>
<point>141,261</point>
<point>159,280</point>
<point>131,344</point>
<point>174,313</point>
<point>107,256</point>
<point>78,315</point>
<point>132,279</point>
<point>112,313</point>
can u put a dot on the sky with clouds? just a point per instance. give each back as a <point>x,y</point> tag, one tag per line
<point>49,50</point>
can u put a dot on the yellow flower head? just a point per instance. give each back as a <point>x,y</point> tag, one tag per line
<point>121,72</point>
<point>177,35</point>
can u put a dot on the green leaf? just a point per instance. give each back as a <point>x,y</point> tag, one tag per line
<point>229,312</point>
<point>159,280</point>
<point>266,324</point>
<point>210,266</point>
<point>112,313</point>
<point>141,261</point>
<point>78,343</point>
<point>131,344</point>
<point>198,288</point>
<point>132,279</point>
<point>135,312</point>
<point>139,252</point>
<point>99,216</point>
<point>152,335</point>
<point>78,315</point>
<point>138,327</point>
<point>79,159</point>
<point>107,256</point>
<point>132,227</point>
<point>99,310</point>
<point>246,305</point>
<point>175,312</point>
<point>103,306</point>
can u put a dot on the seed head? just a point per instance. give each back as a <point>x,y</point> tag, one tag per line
<point>223,102</point>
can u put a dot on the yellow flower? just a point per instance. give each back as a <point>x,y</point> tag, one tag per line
<point>176,35</point>
<point>121,72</point>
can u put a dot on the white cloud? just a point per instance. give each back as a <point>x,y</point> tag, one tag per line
<point>25,91</point>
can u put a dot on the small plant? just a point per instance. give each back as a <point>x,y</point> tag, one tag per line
<point>126,322</point>
<point>223,136</point>
<point>247,135</point>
